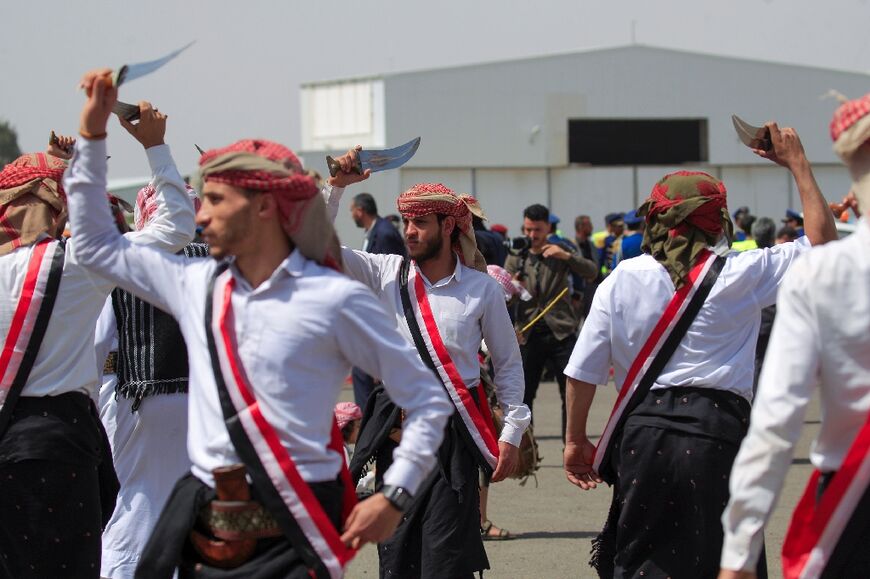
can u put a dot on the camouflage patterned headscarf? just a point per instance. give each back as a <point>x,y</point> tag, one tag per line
<point>685,213</point>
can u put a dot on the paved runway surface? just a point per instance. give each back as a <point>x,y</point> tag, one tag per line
<point>554,521</point>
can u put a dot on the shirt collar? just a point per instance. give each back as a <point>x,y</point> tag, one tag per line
<point>293,266</point>
<point>457,275</point>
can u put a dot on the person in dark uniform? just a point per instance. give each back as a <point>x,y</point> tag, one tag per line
<point>629,244</point>
<point>615,226</point>
<point>381,237</point>
<point>490,243</point>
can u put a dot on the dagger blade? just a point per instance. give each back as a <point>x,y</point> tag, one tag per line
<point>379,160</point>
<point>130,72</point>
<point>752,136</point>
<point>389,158</point>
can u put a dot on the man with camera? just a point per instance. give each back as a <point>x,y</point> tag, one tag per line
<point>546,324</point>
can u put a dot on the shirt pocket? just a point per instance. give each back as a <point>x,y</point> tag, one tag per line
<point>457,330</point>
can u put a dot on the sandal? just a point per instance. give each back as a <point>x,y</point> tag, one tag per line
<point>486,532</point>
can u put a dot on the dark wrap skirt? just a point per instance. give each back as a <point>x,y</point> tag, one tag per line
<point>57,488</point>
<point>439,535</point>
<point>673,459</point>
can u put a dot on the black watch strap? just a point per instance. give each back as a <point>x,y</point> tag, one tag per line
<point>399,497</point>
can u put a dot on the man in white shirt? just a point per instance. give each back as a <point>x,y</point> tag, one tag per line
<point>454,304</point>
<point>820,335</point>
<point>271,329</point>
<point>143,402</point>
<point>58,487</point>
<point>669,444</point>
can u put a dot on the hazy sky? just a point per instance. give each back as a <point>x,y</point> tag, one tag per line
<point>241,78</point>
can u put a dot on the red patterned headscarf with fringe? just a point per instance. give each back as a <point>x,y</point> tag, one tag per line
<point>146,204</point>
<point>427,198</point>
<point>269,167</point>
<point>32,200</point>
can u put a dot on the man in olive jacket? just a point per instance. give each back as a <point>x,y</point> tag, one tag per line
<point>545,270</point>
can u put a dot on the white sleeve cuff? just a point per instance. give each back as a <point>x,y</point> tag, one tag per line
<point>739,553</point>
<point>511,435</point>
<point>404,473</point>
<point>159,156</point>
<point>578,373</point>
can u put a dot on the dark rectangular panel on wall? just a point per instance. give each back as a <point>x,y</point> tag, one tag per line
<point>637,141</point>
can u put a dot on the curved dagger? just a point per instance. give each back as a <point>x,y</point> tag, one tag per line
<point>752,136</point>
<point>378,160</point>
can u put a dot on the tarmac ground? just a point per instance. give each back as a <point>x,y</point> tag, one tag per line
<point>555,522</point>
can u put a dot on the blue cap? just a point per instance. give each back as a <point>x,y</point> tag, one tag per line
<point>632,218</point>
<point>611,217</point>
<point>740,210</point>
<point>792,214</point>
<point>553,219</point>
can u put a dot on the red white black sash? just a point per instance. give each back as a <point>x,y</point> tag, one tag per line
<point>656,351</point>
<point>427,339</point>
<point>29,322</point>
<point>280,486</point>
<point>815,530</point>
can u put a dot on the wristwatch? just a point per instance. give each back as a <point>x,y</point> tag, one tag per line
<point>399,497</point>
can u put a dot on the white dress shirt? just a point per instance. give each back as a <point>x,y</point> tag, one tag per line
<point>821,335</point>
<point>66,360</point>
<point>298,333</point>
<point>717,352</point>
<point>468,306</point>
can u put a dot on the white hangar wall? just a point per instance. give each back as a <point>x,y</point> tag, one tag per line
<point>767,190</point>
<point>500,130</point>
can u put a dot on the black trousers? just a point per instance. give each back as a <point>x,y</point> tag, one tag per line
<point>57,488</point>
<point>543,351</point>
<point>169,548</point>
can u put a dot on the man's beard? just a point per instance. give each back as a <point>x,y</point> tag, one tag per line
<point>227,243</point>
<point>429,250</point>
<point>358,221</point>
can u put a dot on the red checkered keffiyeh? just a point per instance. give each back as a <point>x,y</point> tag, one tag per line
<point>26,168</point>
<point>261,179</point>
<point>850,130</point>
<point>32,200</point>
<point>847,114</point>
<point>504,279</point>
<point>346,412</point>
<point>146,204</point>
<point>268,167</point>
<point>427,198</point>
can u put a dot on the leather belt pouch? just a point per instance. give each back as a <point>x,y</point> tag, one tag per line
<point>110,366</point>
<point>228,527</point>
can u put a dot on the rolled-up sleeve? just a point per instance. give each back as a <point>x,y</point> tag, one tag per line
<point>591,359</point>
